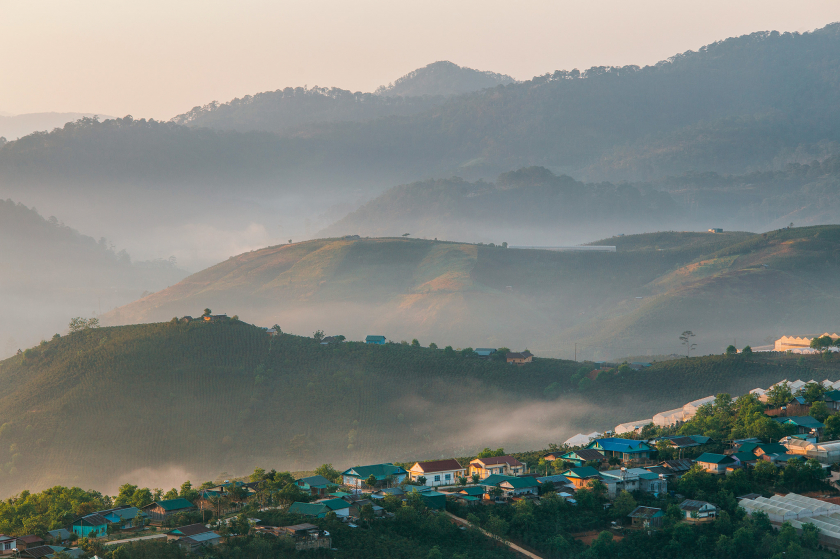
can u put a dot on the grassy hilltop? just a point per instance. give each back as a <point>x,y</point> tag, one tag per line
<point>635,301</point>
<point>172,400</point>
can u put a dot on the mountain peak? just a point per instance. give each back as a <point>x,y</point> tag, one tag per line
<point>442,78</point>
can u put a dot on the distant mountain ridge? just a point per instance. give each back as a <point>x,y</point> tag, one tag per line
<point>765,94</point>
<point>522,204</point>
<point>481,211</point>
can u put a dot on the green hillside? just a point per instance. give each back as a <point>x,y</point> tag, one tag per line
<point>753,291</point>
<point>455,294</point>
<point>191,400</point>
<point>634,301</point>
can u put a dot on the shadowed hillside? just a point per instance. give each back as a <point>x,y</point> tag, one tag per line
<point>160,403</point>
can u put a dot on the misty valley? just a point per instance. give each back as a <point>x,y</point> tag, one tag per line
<point>590,314</point>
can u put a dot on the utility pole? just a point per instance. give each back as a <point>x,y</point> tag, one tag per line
<point>575,351</point>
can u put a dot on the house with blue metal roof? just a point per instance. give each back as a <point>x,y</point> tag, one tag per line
<point>493,480</point>
<point>623,449</point>
<point>581,457</point>
<point>518,486</point>
<point>803,423</point>
<point>316,485</point>
<point>383,473</point>
<point>377,340</point>
<point>160,510</point>
<point>92,525</point>
<point>582,477</point>
<point>318,510</point>
<point>715,463</point>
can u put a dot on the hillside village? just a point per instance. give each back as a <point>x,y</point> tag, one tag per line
<point>790,442</point>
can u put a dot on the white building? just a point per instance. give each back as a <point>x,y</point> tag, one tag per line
<point>669,418</point>
<point>582,440</point>
<point>632,426</point>
<point>437,472</point>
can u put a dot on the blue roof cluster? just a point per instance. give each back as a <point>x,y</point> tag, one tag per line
<point>613,444</point>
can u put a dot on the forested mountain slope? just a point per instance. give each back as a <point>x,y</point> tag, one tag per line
<point>534,206</point>
<point>293,110</point>
<point>50,272</point>
<point>520,207</point>
<point>630,302</point>
<point>161,403</point>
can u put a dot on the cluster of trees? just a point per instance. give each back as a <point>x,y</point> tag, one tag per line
<point>727,420</point>
<point>825,343</point>
<point>550,527</point>
<point>80,323</point>
<point>36,513</point>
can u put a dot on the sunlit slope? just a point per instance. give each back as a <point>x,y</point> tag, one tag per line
<point>159,403</point>
<point>453,294</point>
<point>768,285</point>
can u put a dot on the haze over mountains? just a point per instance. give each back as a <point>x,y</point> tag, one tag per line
<point>50,272</point>
<point>530,159</point>
<point>392,213</point>
<point>289,163</point>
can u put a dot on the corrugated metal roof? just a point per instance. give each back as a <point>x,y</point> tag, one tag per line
<point>522,482</point>
<point>690,504</point>
<point>586,454</point>
<point>712,458</point>
<point>316,481</point>
<point>200,538</point>
<point>620,445</point>
<point>172,504</point>
<point>645,512</point>
<point>190,530</point>
<point>335,504</point>
<point>379,471</point>
<point>438,465</point>
<point>584,472</point>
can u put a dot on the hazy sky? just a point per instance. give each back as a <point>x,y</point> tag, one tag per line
<point>158,58</point>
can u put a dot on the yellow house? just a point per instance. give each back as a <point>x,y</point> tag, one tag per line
<point>500,465</point>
